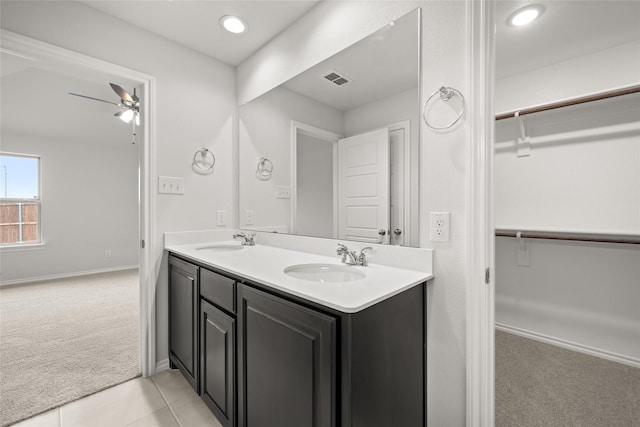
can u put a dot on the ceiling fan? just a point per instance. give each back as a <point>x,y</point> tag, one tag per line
<point>129,103</point>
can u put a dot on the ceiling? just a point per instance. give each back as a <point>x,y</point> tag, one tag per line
<point>567,29</point>
<point>195,24</point>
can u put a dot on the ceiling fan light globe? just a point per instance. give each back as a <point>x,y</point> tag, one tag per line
<point>126,116</point>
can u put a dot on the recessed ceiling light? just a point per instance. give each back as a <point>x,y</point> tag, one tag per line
<point>233,24</point>
<point>525,15</point>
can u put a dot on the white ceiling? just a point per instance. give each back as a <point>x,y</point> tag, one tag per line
<point>195,24</point>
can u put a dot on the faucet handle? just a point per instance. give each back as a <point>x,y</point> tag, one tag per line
<point>341,249</point>
<point>362,258</point>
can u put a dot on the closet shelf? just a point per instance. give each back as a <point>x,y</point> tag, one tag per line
<point>572,101</point>
<point>579,236</point>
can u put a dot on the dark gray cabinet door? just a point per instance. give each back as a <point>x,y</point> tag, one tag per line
<point>217,363</point>
<point>183,318</point>
<point>286,357</point>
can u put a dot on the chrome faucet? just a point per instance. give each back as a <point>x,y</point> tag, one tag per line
<point>247,239</point>
<point>350,257</point>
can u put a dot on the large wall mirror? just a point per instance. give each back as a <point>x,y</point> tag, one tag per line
<point>334,152</point>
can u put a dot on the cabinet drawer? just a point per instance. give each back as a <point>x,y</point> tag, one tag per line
<point>218,289</point>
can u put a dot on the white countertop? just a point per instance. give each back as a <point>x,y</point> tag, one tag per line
<point>265,264</point>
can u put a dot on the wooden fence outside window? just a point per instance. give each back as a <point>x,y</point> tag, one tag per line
<point>18,222</point>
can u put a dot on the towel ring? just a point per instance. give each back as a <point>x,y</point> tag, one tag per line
<point>446,93</point>
<point>203,161</point>
<point>264,169</point>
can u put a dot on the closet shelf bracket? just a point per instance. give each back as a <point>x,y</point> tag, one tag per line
<point>523,144</point>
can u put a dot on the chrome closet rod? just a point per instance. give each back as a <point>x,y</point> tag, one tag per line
<point>568,236</point>
<point>569,102</point>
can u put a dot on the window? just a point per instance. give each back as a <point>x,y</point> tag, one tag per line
<point>19,199</point>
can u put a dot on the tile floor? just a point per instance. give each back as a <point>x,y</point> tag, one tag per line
<point>163,400</point>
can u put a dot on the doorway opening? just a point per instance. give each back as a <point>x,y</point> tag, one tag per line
<point>75,303</point>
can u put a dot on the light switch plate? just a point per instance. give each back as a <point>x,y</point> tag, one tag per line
<point>170,185</point>
<point>283,192</point>
<point>220,218</point>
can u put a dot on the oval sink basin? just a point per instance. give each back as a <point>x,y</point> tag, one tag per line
<point>324,272</point>
<point>220,248</point>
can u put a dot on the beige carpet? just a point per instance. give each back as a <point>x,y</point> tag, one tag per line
<point>539,384</point>
<point>64,339</point>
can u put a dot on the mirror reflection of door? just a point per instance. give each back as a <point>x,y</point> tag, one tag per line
<point>363,193</point>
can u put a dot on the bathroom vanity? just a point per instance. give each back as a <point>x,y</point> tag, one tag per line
<point>267,348</point>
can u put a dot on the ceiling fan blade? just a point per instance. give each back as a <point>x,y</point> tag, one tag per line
<point>95,99</point>
<point>121,93</point>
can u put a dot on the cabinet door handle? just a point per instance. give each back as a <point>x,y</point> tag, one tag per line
<point>397,232</point>
<point>382,232</point>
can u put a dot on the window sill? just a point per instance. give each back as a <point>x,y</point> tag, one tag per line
<point>23,247</point>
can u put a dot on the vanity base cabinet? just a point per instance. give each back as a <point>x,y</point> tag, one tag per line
<point>217,363</point>
<point>183,319</point>
<point>286,363</point>
<point>383,362</point>
<point>262,358</point>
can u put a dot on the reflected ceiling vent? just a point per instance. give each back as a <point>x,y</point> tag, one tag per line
<point>336,78</point>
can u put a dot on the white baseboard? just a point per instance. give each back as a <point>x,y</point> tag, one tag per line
<point>162,365</point>
<point>569,345</point>
<point>65,275</point>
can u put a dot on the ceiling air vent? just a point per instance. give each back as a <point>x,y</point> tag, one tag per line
<point>336,78</point>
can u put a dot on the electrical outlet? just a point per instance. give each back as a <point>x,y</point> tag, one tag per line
<point>107,253</point>
<point>248,217</point>
<point>440,226</point>
<point>220,220</point>
<point>283,192</point>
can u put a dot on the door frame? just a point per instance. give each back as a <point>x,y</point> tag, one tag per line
<point>480,282</point>
<point>324,135</point>
<point>30,46</point>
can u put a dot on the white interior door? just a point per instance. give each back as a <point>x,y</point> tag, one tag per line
<point>363,187</point>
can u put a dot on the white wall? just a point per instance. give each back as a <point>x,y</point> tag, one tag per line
<point>610,68</point>
<point>89,205</point>
<point>314,187</point>
<point>265,131</point>
<point>195,107</point>
<point>329,28</point>
<point>583,174</point>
